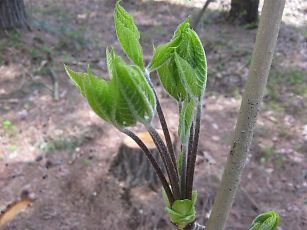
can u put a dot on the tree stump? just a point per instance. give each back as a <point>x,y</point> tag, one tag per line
<point>12,15</point>
<point>244,11</point>
<point>131,165</point>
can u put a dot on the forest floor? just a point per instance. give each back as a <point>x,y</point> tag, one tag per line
<point>58,152</point>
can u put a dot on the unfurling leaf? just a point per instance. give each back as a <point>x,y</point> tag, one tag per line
<point>95,90</point>
<point>171,81</point>
<point>181,64</point>
<point>266,221</point>
<point>185,120</point>
<point>163,53</point>
<point>166,51</point>
<point>128,35</point>
<point>124,100</point>
<point>183,212</point>
<point>189,78</point>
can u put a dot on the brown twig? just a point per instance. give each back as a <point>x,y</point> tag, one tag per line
<point>170,167</point>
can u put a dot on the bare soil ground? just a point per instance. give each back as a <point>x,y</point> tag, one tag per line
<point>54,148</point>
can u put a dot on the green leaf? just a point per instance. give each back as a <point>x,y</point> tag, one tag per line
<point>192,60</point>
<point>182,28</point>
<point>162,54</point>
<point>137,93</point>
<point>182,206</point>
<point>171,81</point>
<point>96,91</point>
<point>266,221</point>
<point>131,86</point>
<point>185,121</point>
<point>188,77</point>
<point>124,100</point>
<point>198,60</point>
<point>181,64</point>
<point>110,61</point>
<point>128,35</point>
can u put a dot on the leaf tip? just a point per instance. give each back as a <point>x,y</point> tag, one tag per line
<point>117,3</point>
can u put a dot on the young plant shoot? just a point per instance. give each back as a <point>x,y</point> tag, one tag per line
<point>129,97</point>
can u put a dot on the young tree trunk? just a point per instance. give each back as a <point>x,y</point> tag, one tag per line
<point>12,15</point>
<point>244,11</point>
<point>255,86</point>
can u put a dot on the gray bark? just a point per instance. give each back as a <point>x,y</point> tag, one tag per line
<point>258,74</point>
<point>244,11</point>
<point>12,15</point>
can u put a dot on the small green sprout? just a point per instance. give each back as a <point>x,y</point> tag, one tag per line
<point>266,221</point>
